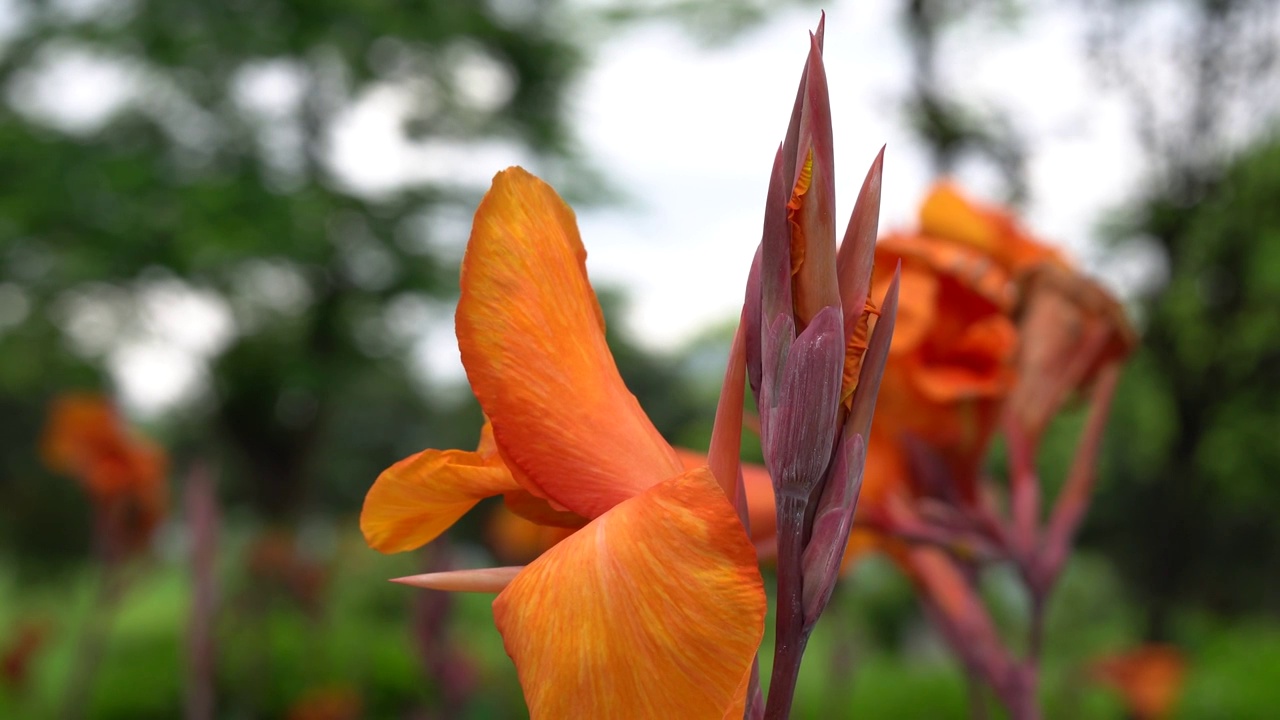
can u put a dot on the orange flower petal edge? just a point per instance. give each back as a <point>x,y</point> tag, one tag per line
<point>762,513</point>
<point>947,214</point>
<point>418,498</point>
<point>654,610</point>
<point>532,341</point>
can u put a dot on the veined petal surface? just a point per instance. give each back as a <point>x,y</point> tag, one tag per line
<point>533,345</point>
<point>654,610</point>
<point>762,512</point>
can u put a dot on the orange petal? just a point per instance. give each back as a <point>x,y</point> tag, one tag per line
<point>976,364</point>
<point>540,511</point>
<point>1150,678</point>
<point>760,502</point>
<point>79,427</point>
<point>948,214</point>
<point>532,341</point>
<point>654,610</point>
<point>516,539</point>
<point>854,351</point>
<point>86,437</point>
<point>418,498</point>
<point>758,486</point>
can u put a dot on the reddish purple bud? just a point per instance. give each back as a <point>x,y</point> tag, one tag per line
<point>775,248</point>
<point>873,362</point>
<point>791,143</point>
<point>812,200</point>
<point>831,525</point>
<point>858,248</point>
<point>751,325</point>
<point>800,399</point>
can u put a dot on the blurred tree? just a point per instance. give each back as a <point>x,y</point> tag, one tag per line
<point>1188,508</point>
<point>1188,504</point>
<point>211,193</point>
<point>207,195</point>
<point>953,129</point>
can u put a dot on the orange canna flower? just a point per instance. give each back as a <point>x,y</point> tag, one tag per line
<point>332,702</point>
<point>87,438</point>
<point>124,474</point>
<point>654,606</point>
<point>1071,328</point>
<point>517,539</point>
<point>950,363</point>
<point>1149,678</point>
<point>994,233</point>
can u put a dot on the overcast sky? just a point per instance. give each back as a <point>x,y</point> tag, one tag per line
<point>688,132</point>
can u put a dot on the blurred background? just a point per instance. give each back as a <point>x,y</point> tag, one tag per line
<point>242,221</point>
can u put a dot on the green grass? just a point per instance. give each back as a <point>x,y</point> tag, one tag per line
<point>870,657</point>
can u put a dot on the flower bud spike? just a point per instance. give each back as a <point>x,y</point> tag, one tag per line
<point>488,580</point>
<point>751,325</point>
<point>775,250</point>
<point>864,398</point>
<point>799,426</point>
<point>858,248</point>
<point>811,208</point>
<point>790,145</point>
<point>726,433</point>
<point>831,525</point>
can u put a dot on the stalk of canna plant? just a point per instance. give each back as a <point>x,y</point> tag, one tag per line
<point>816,348</point>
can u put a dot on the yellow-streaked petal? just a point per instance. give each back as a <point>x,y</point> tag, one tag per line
<point>947,214</point>
<point>762,513</point>
<point>533,345</point>
<point>654,610</point>
<point>418,498</point>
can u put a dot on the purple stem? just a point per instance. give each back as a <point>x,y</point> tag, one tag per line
<point>790,638</point>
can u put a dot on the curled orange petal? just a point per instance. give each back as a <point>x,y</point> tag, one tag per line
<point>948,215</point>
<point>418,498</point>
<point>532,341</point>
<point>654,610</point>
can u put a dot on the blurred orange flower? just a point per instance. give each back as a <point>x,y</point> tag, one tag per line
<point>18,652</point>
<point>654,606</point>
<point>994,233</point>
<point>1071,328</point>
<point>950,366</point>
<point>990,320</point>
<point>332,702</point>
<point>123,473</point>
<point>1149,679</point>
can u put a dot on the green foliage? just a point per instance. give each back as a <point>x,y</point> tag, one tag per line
<point>1189,492</point>
<point>191,189</point>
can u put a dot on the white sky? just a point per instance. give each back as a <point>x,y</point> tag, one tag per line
<point>688,133</point>
<point>691,134</point>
